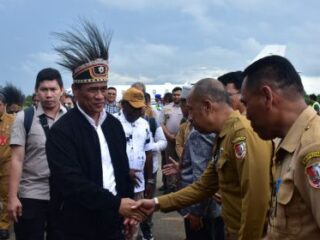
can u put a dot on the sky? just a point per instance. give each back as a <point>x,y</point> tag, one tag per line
<point>159,41</point>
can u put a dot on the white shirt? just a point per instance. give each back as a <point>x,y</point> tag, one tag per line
<point>159,144</point>
<point>139,140</point>
<point>109,181</point>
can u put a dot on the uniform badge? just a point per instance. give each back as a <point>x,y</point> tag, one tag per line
<point>240,149</point>
<point>3,140</point>
<point>313,173</point>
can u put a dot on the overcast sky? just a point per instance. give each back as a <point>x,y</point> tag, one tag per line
<point>158,41</point>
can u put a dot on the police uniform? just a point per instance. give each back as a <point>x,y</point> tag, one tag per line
<point>6,121</point>
<point>241,169</point>
<point>295,212</point>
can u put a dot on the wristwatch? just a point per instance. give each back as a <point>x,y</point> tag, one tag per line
<point>156,204</point>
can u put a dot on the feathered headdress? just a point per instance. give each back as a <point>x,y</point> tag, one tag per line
<point>85,51</point>
<point>13,95</point>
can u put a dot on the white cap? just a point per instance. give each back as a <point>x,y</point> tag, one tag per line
<point>185,91</point>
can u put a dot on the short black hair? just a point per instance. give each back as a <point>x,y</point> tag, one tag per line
<point>232,77</point>
<point>276,70</point>
<point>48,74</point>
<point>167,97</point>
<point>176,89</point>
<point>112,88</point>
<point>147,97</point>
<point>13,95</point>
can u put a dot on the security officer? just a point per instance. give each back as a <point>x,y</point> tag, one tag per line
<point>6,121</point>
<point>240,168</point>
<point>274,96</point>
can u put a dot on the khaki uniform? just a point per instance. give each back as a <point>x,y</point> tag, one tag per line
<point>6,121</point>
<point>295,212</point>
<point>241,169</point>
<point>181,137</point>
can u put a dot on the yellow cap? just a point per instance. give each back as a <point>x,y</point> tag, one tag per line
<point>135,97</point>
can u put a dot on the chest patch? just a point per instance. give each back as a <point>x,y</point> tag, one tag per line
<point>313,173</point>
<point>240,149</point>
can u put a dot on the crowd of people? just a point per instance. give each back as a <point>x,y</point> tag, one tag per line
<point>239,155</point>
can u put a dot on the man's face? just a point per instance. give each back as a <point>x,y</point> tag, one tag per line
<point>257,112</point>
<point>68,103</point>
<point>200,119</point>
<point>111,95</point>
<point>2,108</point>
<point>234,95</point>
<point>176,96</point>
<point>91,97</point>
<point>35,100</point>
<point>184,107</point>
<point>49,93</point>
<point>131,113</point>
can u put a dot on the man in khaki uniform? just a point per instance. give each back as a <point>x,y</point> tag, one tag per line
<point>240,167</point>
<point>274,96</point>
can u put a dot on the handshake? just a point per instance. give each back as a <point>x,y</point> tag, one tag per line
<point>135,212</point>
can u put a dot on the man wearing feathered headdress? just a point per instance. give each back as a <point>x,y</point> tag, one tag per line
<point>86,149</point>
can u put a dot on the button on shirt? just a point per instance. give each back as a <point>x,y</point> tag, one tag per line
<point>139,141</point>
<point>107,167</point>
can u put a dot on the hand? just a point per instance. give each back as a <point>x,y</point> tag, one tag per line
<point>172,168</point>
<point>126,210</point>
<point>133,176</point>
<point>130,225</point>
<point>148,190</point>
<point>147,206</point>
<point>14,208</point>
<point>196,222</point>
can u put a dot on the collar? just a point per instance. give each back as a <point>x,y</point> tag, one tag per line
<point>102,117</point>
<point>40,111</point>
<point>123,119</point>
<point>293,137</point>
<point>227,124</point>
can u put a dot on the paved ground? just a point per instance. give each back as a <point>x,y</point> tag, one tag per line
<point>167,226</point>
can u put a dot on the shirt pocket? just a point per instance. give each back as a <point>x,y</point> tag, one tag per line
<point>224,168</point>
<point>288,219</point>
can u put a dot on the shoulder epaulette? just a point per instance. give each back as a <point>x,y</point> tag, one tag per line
<point>238,139</point>
<point>309,156</point>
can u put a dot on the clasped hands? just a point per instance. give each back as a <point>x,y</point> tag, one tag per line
<point>135,212</point>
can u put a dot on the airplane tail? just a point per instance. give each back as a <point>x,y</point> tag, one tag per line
<point>269,50</point>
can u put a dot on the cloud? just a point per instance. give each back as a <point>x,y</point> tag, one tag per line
<point>311,84</point>
<point>119,79</point>
<point>141,56</point>
<point>37,61</point>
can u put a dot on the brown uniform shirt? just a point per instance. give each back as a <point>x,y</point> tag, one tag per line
<point>241,169</point>
<point>181,137</point>
<point>295,212</point>
<point>6,121</point>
